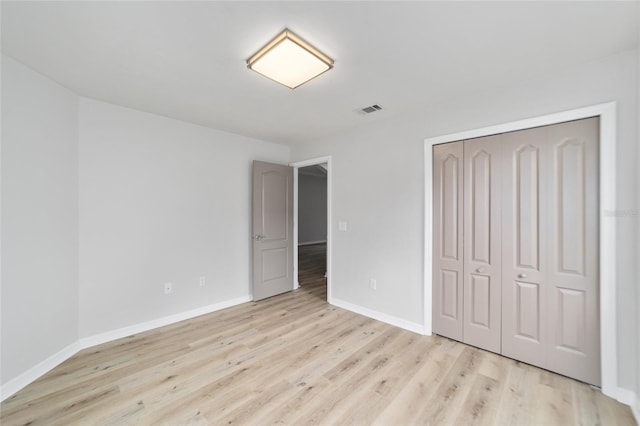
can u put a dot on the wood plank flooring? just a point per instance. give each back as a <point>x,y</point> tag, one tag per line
<point>295,360</point>
<point>312,264</point>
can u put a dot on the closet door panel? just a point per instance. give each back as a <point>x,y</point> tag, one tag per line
<point>573,292</point>
<point>447,239</point>
<point>482,257</point>
<point>527,310</point>
<point>524,229</point>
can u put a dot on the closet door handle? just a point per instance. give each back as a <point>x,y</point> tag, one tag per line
<point>522,275</point>
<point>480,270</point>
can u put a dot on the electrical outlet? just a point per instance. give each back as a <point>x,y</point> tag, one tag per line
<point>202,281</point>
<point>168,288</point>
<point>373,284</point>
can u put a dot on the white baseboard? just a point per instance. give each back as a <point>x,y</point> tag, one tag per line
<point>119,333</point>
<point>37,371</point>
<point>625,396</point>
<point>308,243</point>
<point>53,361</point>
<point>380,316</point>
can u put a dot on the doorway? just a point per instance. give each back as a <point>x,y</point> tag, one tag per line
<point>312,226</point>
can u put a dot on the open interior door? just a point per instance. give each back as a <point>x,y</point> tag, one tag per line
<point>272,229</point>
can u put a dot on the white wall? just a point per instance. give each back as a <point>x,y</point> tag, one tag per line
<point>101,205</point>
<point>39,219</point>
<point>378,188</point>
<point>161,201</point>
<point>312,208</point>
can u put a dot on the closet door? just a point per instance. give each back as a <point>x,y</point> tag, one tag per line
<point>482,253</point>
<point>525,228</point>
<point>572,290</point>
<point>550,288</point>
<point>447,239</point>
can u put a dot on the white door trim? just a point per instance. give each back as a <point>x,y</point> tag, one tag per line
<point>296,166</point>
<point>607,204</point>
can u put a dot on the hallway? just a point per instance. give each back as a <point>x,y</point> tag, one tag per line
<point>312,265</point>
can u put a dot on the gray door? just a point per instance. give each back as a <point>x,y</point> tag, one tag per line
<point>550,249</point>
<point>272,229</point>
<point>526,233</point>
<point>447,239</point>
<point>572,291</point>
<point>482,244</point>
<point>530,262</point>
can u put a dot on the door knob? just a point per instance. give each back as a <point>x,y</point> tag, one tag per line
<point>522,275</point>
<point>258,237</point>
<point>481,270</point>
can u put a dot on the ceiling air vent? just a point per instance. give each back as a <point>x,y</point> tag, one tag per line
<point>370,109</point>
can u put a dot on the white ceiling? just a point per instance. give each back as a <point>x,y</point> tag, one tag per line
<point>187,59</point>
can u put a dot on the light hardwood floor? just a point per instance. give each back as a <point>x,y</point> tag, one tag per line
<point>294,359</point>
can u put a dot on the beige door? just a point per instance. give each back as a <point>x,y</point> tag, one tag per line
<point>530,246</point>
<point>482,244</point>
<point>447,239</point>
<point>572,276</point>
<point>272,229</point>
<point>526,234</point>
<point>550,245</point>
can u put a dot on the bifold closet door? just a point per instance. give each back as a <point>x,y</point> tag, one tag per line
<point>482,244</point>
<point>448,239</point>
<point>516,246</point>
<point>550,249</point>
<point>573,293</point>
<point>525,230</point>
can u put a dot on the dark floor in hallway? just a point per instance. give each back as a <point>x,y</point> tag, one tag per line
<point>312,265</point>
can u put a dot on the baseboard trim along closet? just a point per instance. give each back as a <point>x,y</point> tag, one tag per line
<point>636,409</point>
<point>40,369</point>
<point>626,396</point>
<point>630,398</point>
<point>376,315</point>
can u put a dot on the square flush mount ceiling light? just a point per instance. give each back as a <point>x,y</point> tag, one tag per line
<point>289,60</point>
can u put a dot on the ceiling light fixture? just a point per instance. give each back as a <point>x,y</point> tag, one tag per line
<point>289,60</point>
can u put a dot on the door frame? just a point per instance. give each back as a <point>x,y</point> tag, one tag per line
<point>607,232</point>
<point>296,165</point>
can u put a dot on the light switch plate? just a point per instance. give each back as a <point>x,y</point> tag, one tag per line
<point>342,225</point>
